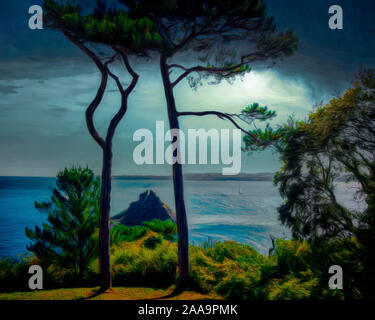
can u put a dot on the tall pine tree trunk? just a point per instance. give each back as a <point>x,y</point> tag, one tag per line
<point>105,207</point>
<point>178,184</point>
<point>106,146</point>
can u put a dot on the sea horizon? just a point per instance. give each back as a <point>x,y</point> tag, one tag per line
<point>243,211</point>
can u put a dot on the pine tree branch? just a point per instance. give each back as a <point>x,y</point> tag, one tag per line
<point>124,94</point>
<point>222,116</point>
<point>90,111</point>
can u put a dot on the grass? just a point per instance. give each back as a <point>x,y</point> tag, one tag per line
<point>116,293</point>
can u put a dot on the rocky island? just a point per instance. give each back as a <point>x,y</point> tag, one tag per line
<point>148,207</point>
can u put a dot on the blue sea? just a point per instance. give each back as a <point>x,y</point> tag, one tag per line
<point>244,211</point>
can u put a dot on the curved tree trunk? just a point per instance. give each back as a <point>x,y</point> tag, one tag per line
<point>106,186</point>
<point>178,184</point>
<point>106,146</point>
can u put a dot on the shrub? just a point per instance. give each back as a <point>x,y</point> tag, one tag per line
<point>299,270</point>
<point>229,268</point>
<point>136,265</point>
<point>14,274</point>
<point>152,241</point>
<point>121,233</point>
<point>292,256</point>
<point>290,289</point>
<point>204,271</point>
<point>237,271</point>
<point>166,228</point>
<point>234,286</point>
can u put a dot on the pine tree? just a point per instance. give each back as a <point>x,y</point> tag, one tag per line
<point>67,239</point>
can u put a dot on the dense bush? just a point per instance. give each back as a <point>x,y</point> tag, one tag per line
<point>121,233</point>
<point>152,242</point>
<point>335,142</point>
<point>14,274</point>
<point>296,270</point>
<point>150,262</point>
<point>166,228</point>
<point>144,255</point>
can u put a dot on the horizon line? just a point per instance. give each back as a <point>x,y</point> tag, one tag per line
<point>145,175</point>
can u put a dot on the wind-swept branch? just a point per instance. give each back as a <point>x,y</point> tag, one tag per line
<point>270,50</point>
<point>248,115</point>
<point>223,116</point>
<point>188,71</point>
<point>90,111</point>
<point>124,95</point>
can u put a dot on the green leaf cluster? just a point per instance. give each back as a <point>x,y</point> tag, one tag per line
<point>115,28</point>
<point>257,112</point>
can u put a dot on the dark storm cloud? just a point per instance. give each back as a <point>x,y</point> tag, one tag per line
<point>324,54</point>
<point>329,57</point>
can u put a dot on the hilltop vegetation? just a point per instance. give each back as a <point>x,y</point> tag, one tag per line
<point>146,256</point>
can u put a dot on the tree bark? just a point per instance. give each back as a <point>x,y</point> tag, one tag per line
<point>105,208</point>
<point>178,184</point>
<point>106,186</point>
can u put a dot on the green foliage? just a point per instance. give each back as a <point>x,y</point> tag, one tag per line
<point>229,268</point>
<point>209,243</point>
<point>212,31</point>
<point>291,289</point>
<point>335,142</point>
<point>14,274</point>
<point>297,269</point>
<point>152,242</point>
<point>121,233</point>
<point>166,228</point>
<point>235,286</point>
<point>151,261</point>
<point>110,28</point>
<point>135,264</point>
<point>337,139</point>
<point>259,113</point>
<point>291,256</point>
<point>67,239</point>
<point>259,139</point>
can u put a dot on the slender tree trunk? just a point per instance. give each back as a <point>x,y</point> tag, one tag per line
<point>106,145</point>
<point>105,207</point>
<point>178,184</point>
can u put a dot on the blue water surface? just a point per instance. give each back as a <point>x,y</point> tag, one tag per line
<point>243,211</point>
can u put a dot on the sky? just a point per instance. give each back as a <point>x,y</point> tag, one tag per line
<point>46,83</point>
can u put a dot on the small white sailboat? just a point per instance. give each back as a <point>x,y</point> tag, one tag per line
<point>239,190</point>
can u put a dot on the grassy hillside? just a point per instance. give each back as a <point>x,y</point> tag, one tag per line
<point>144,265</point>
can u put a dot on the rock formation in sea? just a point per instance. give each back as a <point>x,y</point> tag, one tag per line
<point>147,208</point>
